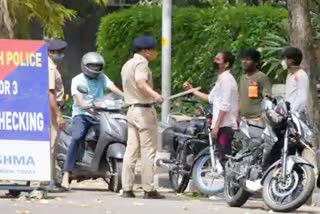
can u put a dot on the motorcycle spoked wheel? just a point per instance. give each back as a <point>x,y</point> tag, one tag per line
<point>204,184</point>
<point>288,195</point>
<point>178,179</point>
<point>234,194</point>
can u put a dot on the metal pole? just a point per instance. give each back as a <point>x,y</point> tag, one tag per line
<point>166,58</point>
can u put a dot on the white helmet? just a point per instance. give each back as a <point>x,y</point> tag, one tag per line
<point>92,64</point>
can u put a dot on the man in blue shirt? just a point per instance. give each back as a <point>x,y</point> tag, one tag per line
<point>96,81</point>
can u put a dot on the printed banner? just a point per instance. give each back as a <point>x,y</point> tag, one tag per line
<point>24,111</point>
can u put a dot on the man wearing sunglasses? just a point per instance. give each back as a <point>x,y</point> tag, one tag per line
<point>92,76</point>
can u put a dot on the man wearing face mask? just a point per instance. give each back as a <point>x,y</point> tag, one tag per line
<point>254,85</point>
<point>142,117</point>
<point>224,98</point>
<point>56,93</point>
<point>56,89</point>
<point>297,83</point>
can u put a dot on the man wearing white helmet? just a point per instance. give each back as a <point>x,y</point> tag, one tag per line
<point>96,81</point>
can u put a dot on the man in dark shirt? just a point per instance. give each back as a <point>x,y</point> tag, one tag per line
<point>254,85</point>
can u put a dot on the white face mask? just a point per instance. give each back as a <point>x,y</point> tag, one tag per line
<point>284,65</point>
<point>57,58</point>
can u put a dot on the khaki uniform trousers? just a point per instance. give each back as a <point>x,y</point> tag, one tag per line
<point>142,140</point>
<point>53,137</point>
<point>53,132</point>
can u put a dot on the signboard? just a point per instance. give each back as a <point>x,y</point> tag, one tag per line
<point>24,111</point>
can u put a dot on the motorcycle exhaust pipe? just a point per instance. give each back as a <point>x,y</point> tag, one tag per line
<point>165,163</point>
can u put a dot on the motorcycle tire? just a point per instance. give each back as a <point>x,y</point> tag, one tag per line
<point>178,181</point>
<point>115,180</point>
<point>300,200</point>
<point>234,200</point>
<point>198,180</point>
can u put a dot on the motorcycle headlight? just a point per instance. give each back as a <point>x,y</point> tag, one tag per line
<point>306,132</point>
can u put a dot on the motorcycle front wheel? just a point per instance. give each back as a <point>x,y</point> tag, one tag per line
<point>234,193</point>
<point>286,195</point>
<point>206,178</point>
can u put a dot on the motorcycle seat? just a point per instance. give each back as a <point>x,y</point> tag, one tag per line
<point>180,126</point>
<point>191,127</point>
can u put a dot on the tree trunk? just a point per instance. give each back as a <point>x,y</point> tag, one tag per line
<point>6,24</point>
<point>301,36</point>
<point>301,31</point>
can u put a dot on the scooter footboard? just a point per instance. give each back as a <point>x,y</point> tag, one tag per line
<point>116,150</point>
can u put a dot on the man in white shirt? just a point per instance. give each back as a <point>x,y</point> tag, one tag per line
<point>224,97</point>
<point>297,83</point>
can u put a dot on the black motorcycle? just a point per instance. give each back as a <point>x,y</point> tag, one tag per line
<point>185,139</point>
<point>273,162</point>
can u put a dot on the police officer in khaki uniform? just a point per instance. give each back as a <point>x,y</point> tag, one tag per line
<point>142,118</point>
<point>56,89</point>
<point>56,92</point>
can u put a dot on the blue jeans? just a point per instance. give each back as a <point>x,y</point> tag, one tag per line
<point>80,127</point>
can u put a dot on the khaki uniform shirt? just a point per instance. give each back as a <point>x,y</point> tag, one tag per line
<point>55,80</point>
<point>134,70</point>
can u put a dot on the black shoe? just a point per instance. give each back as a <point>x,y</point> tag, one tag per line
<point>153,195</point>
<point>128,194</point>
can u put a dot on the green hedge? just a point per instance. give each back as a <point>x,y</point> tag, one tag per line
<point>198,34</point>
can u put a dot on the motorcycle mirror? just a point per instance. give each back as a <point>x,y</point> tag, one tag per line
<point>83,89</point>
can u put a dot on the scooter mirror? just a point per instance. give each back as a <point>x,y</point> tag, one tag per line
<point>83,89</point>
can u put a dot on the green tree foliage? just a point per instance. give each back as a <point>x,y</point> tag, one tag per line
<point>198,34</point>
<point>50,14</point>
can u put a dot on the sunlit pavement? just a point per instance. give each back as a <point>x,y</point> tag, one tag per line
<point>92,197</point>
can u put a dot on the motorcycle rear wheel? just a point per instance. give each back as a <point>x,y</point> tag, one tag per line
<point>271,184</point>
<point>178,179</point>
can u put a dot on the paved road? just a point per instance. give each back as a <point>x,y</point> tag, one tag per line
<point>90,199</point>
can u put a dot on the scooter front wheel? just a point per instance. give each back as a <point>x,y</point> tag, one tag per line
<point>115,180</point>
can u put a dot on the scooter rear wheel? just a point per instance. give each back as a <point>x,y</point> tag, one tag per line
<point>115,180</point>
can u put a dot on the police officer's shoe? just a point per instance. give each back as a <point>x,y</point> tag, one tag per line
<point>128,194</point>
<point>153,195</point>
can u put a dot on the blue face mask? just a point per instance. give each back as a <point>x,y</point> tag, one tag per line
<point>57,58</point>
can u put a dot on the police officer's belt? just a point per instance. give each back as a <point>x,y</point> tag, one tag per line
<point>142,105</point>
